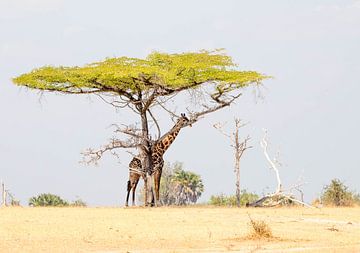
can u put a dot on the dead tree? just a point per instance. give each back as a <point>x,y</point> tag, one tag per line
<point>3,195</point>
<point>280,196</point>
<point>239,149</point>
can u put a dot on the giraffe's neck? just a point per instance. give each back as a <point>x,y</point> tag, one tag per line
<point>166,140</point>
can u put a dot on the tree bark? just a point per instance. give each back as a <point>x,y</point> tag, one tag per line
<point>145,154</point>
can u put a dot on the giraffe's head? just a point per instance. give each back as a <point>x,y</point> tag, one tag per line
<point>182,121</point>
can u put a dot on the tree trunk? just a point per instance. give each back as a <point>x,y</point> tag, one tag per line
<point>264,145</point>
<point>146,160</point>
<point>237,171</point>
<point>3,194</point>
<point>237,164</point>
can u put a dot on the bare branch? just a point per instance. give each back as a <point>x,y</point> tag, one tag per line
<point>264,145</point>
<point>221,104</point>
<point>219,127</point>
<point>173,114</point>
<point>156,123</point>
<point>93,156</point>
<point>128,130</point>
<point>114,103</point>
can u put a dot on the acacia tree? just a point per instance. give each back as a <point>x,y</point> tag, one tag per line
<point>210,78</point>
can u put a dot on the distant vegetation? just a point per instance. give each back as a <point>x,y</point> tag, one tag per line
<point>230,200</point>
<point>78,203</point>
<point>48,199</point>
<point>338,194</point>
<point>178,186</point>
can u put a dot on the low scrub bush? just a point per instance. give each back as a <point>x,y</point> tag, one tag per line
<point>259,229</point>
<point>47,199</point>
<point>224,200</point>
<point>78,203</point>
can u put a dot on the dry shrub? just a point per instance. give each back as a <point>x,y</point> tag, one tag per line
<point>259,229</point>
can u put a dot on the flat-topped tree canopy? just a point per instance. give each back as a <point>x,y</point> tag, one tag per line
<point>141,84</point>
<point>165,73</point>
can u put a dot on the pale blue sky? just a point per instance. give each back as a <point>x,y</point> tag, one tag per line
<point>310,107</point>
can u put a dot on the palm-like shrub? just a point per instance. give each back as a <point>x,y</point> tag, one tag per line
<point>177,186</point>
<point>47,199</point>
<point>188,187</point>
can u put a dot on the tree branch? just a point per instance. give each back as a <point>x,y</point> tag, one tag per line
<point>221,104</point>
<point>156,123</point>
<point>93,156</point>
<point>264,145</point>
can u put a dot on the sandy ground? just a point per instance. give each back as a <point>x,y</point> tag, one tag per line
<point>189,229</point>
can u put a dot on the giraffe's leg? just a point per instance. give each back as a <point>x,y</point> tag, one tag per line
<point>134,190</point>
<point>157,187</point>
<point>128,192</point>
<point>153,201</point>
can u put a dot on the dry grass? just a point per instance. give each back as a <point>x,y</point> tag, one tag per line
<point>259,229</point>
<point>191,229</point>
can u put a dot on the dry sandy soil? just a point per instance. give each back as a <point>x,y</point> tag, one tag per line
<point>164,229</point>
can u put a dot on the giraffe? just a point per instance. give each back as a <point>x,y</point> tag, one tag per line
<point>158,150</point>
<point>135,172</point>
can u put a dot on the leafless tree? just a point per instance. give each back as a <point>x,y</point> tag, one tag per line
<point>239,149</point>
<point>280,196</point>
<point>3,194</point>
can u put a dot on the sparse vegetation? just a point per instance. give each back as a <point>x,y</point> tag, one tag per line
<point>48,199</point>
<point>78,203</point>
<point>224,200</point>
<point>259,229</point>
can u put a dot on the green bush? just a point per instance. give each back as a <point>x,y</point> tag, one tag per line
<point>78,203</point>
<point>337,194</point>
<point>224,200</point>
<point>47,199</point>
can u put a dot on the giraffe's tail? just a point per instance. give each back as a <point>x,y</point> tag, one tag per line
<point>128,185</point>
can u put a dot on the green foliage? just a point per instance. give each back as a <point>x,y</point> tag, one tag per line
<point>337,194</point>
<point>78,203</point>
<point>187,187</point>
<point>177,186</point>
<point>224,200</point>
<point>128,74</point>
<point>166,185</point>
<point>47,199</point>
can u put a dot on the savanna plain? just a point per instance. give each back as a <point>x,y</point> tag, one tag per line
<point>174,229</point>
